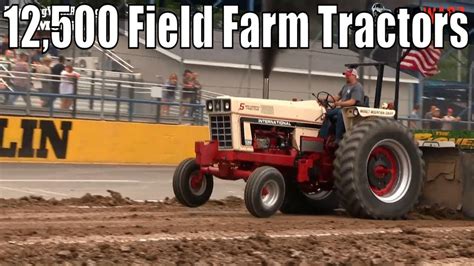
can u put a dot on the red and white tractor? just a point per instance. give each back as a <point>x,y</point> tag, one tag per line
<point>377,170</point>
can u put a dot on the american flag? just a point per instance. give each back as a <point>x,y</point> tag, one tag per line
<point>424,61</point>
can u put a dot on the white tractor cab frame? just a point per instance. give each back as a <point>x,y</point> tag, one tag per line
<point>376,171</point>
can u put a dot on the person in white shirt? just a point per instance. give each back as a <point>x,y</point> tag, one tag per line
<point>449,118</point>
<point>66,87</point>
<point>415,114</point>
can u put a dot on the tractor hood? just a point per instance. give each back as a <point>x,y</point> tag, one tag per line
<point>303,111</point>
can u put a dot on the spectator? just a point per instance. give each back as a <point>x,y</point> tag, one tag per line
<point>188,91</point>
<point>36,56</point>
<point>435,119</point>
<point>449,119</point>
<point>197,93</point>
<point>56,72</point>
<point>53,51</point>
<point>9,61</point>
<point>20,81</point>
<point>415,115</point>
<point>169,94</point>
<point>429,116</point>
<point>10,56</point>
<point>66,87</point>
<point>4,46</point>
<point>44,71</point>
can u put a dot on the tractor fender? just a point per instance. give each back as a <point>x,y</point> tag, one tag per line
<point>468,184</point>
<point>356,114</point>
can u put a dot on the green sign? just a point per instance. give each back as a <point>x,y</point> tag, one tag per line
<point>464,139</point>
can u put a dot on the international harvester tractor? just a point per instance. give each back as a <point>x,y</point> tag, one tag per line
<point>376,171</point>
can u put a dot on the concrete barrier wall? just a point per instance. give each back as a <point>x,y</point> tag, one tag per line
<point>34,139</point>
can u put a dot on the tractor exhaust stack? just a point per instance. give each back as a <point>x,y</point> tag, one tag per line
<point>266,88</point>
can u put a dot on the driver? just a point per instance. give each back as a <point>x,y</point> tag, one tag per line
<point>351,94</point>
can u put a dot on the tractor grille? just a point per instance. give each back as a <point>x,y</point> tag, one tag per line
<point>221,130</point>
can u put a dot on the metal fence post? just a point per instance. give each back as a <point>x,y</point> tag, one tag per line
<point>74,106</point>
<point>92,93</point>
<point>202,115</point>
<point>51,109</point>
<point>195,108</point>
<point>158,111</point>
<point>119,95</point>
<point>131,96</point>
<point>28,88</point>
<point>102,116</point>
<point>421,91</point>
<point>180,89</point>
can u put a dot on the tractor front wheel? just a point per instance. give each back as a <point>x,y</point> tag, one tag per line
<point>264,192</point>
<point>191,188</point>
<point>379,171</point>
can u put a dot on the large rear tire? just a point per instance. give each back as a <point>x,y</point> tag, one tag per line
<point>190,187</point>
<point>264,192</point>
<point>379,172</point>
<point>298,202</point>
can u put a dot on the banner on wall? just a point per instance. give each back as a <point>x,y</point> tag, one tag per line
<point>463,139</point>
<point>84,141</point>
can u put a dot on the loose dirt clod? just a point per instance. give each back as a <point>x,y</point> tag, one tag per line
<point>436,212</point>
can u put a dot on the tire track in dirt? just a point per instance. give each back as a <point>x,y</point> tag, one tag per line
<point>210,235</point>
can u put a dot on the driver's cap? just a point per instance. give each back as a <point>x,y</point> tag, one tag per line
<point>351,72</point>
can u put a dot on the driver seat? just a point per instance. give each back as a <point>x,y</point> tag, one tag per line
<point>366,102</point>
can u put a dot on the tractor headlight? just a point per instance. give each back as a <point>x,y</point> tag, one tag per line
<point>226,105</point>
<point>209,106</point>
<point>356,112</point>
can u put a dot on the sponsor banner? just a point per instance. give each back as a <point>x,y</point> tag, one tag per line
<point>86,141</point>
<point>463,139</point>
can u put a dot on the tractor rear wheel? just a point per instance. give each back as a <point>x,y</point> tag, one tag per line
<point>379,171</point>
<point>190,187</point>
<point>264,192</point>
<point>298,202</point>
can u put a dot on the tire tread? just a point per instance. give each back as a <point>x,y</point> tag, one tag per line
<point>344,167</point>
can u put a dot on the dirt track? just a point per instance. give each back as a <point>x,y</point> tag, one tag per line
<point>100,230</point>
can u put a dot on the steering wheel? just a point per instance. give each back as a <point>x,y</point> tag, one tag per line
<point>326,100</point>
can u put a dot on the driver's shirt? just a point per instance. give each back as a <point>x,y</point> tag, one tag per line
<point>354,91</point>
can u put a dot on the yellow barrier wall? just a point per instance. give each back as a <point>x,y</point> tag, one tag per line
<point>83,141</point>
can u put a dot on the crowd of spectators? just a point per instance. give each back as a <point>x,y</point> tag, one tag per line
<point>18,67</point>
<point>433,119</point>
<point>191,92</point>
<point>438,121</point>
<point>31,70</point>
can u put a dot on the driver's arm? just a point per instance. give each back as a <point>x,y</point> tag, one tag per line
<point>348,103</point>
<point>357,96</point>
<point>336,98</point>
